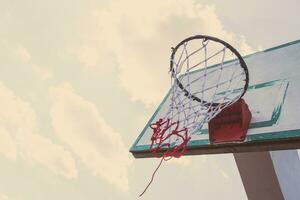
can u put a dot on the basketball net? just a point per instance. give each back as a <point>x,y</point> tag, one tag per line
<point>200,89</point>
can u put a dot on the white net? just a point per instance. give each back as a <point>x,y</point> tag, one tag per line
<point>200,88</point>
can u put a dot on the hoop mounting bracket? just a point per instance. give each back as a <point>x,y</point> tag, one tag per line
<point>231,124</point>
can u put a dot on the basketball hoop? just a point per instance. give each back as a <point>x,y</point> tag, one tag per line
<point>212,95</point>
<point>196,99</point>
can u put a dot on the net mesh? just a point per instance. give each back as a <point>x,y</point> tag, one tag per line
<point>200,90</point>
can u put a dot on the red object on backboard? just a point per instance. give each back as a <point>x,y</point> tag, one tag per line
<point>231,124</point>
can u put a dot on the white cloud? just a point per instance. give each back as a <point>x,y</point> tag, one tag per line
<point>140,37</point>
<point>4,197</point>
<point>23,54</point>
<point>41,72</point>
<point>20,139</point>
<point>93,57</point>
<point>40,150</point>
<point>89,56</point>
<point>77,123</point>
<point>8,147</point>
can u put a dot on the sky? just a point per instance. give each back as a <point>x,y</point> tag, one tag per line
<point>80,78</point>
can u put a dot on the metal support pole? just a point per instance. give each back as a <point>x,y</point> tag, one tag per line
<point>258,176</point>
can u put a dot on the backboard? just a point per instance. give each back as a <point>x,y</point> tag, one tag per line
<point>273,97</point>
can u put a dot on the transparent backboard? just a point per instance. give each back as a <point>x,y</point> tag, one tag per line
<point>273,98</point>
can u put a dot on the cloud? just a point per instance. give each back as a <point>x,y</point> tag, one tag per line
<point>89,56</point>
<point>23,54</point>
<point>8,147</point>
<point>19,137</point>
<point>41,72</point>
<point>141,37</point>
<point>94,57</point>
<point>77,122</point>
<point>4,197</point>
